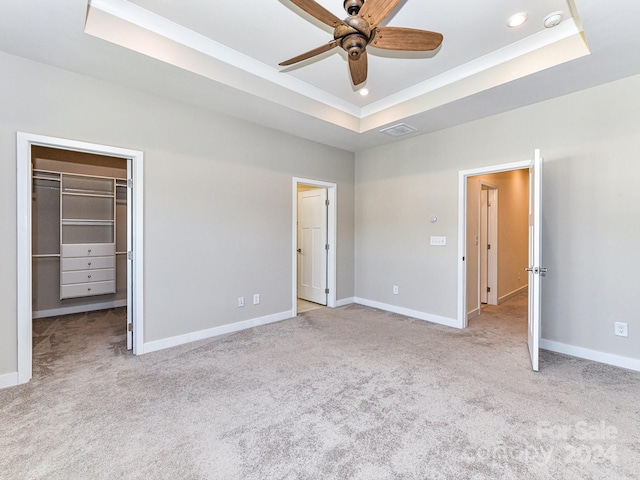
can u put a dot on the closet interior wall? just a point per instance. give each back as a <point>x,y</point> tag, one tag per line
<point>46,230</point>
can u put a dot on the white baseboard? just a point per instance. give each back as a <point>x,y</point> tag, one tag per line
<point>214,332</point>
<point>345,301</point>
<point>449,322</point>
<point>54,312</point>
<point>9,380</point>
<point>506,297</point>
<point>473,313</point>
<point>602,357</point>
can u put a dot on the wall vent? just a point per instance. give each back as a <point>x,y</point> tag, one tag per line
<point>399,130</point>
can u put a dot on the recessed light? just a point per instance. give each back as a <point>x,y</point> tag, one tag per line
<point>364,92</point>
<point>516,20</point>
<point>553,19</point>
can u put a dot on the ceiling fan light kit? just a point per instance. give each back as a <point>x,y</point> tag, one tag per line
<point>360,29</point>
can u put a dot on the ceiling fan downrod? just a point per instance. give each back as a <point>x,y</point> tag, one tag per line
<point>353,6</point>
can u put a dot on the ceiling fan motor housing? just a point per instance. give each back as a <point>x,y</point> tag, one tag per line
<point>355,34</point>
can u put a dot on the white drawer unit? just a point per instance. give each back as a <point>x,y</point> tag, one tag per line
<point>84,276</point>
<point>87,289</point>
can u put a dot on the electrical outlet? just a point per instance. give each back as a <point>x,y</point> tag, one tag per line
<point>395,289</point>
<point>621,329</point>
<point>256,298</point>
<point>438,241</point>
<point>241,301</point>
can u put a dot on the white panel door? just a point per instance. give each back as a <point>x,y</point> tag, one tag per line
<point>312,241</point>
<point>535,258</point>
<point>129,257</point>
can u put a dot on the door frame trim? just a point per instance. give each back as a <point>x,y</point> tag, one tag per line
<point>463,175</point>
<point>332,222</point>
<point>24,142</point>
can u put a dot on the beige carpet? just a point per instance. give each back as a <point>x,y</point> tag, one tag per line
<point>349,393</point>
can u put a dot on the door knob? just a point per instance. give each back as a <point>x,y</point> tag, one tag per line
<point>536,269</point>
<point>299,250</point>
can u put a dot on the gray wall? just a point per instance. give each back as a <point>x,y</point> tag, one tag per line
<point>218,204</point>
<point>218,197</point>
<point>591,214</point>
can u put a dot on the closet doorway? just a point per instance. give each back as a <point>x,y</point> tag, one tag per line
<point>79,235</point>
<point>79,232</point>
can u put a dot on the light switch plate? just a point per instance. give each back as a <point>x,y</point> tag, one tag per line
<point>439,241</point>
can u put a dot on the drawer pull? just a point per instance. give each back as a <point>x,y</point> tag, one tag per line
<point>89,289</point>
<point>88,276</point>
<point>89,250</point>
<point>89,263</point>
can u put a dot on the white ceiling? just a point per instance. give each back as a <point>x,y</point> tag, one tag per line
<point>224,56</point>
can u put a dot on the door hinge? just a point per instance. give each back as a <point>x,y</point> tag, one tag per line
<point>130,182</point>
<point>129,327</point>
<point>488,289</point>
<point>326,202</point>
<point>129,255</point>
<point>326,290</point>
<point>326,247</point>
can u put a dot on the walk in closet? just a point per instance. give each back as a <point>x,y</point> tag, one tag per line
<point>79,238</point>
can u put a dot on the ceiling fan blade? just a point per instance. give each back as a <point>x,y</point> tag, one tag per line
<point>311,53</point>
<point>398,38</point>
<point>358,68</point>
<point>374,11</point>
<point>318,11</point>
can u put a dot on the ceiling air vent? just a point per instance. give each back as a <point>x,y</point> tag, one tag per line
<point>399,130</point>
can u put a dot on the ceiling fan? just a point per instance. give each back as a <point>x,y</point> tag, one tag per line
<point>360,29</point>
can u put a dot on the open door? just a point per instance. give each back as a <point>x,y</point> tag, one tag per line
<point>129,256</point>
<point>312,245</point>
<point>535,258</point>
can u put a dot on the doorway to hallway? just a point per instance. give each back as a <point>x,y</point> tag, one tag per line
<point>468,259</point>
<point>314,234</point>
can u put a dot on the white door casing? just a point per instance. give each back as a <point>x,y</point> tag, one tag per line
<point>535,259</point>
<point>312,245</point>
<point>332,235</point>
<point>24,142</point>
